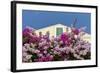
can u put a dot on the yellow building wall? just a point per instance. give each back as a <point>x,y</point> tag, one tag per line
<point>51,30</point>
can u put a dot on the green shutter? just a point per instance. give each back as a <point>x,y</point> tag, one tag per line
<point>59,31</point>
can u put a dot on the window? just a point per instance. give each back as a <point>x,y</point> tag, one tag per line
<point>59,31</point>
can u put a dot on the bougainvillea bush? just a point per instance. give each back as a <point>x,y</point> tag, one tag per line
<point>43,48</point>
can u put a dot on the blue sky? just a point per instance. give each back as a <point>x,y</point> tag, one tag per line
<point>40,19</point>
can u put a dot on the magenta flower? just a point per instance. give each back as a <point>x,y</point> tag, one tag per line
<point>75,31</point>
<point>64,37</point>
<point>42,48</point>
<point>45,59</point>
<point>27,31</point>
<point>33,39</point>
<point>69,42</point>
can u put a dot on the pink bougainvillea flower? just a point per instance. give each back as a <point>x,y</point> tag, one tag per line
<point>45,59</point>
<point>75,31</point>
<point>42,48</point>
<point>34,39</point>
<point>27,31</point>
<point>64,37</point>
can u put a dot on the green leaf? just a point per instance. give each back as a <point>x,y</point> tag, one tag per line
<point>57,57</point>
<point>34,56</point>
